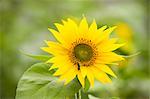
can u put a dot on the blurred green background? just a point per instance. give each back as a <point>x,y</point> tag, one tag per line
<point>23,27</point>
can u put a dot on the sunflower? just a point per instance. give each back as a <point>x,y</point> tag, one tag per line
<point>82,51</point>
<point>125,33</point>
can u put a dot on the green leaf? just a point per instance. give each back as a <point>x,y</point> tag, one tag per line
<point>84,95</point>
<point>87,85</point>
<point>38,57</point>
<point>38,83</point>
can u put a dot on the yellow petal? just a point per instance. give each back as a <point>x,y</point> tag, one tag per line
<point>101,29</point>
<point>108,45</point>
<point>55,45</point>
<point>107,42</point>
<point>108,31</point>
<point>62,69</point>
<point>73,24</point>
<point>113,47</point>
<point>58,36</point>
<point>98,34</point>
<point>124,31</point>
<point>69,75</point>
<point>101,76</point>
<point>63,64</point>
<point>68,31</point>
<point>53,51</point>
<point>105,34</point>
<point>53,67</point>
<point>59,27</point>
<point>64,22</point>
<point>90,77</point>
<point>81,78</point>
<point>59,59</point>
<point>73,28</point>
<point>92,31</point>
<point>51,60</point>
<point>83,70</point>
<point>93,26</point>
<point>51,43</point>
<point>106,69</point>
<point>108,57</point>
<point>83,27</point>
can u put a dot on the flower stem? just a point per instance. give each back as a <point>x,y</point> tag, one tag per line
<point>78,95</point>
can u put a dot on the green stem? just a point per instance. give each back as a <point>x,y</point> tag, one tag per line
<point>78,95</point>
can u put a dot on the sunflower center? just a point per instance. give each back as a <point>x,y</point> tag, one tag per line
<point>83,52</point>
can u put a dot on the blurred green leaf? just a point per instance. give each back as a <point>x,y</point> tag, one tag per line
<point>93,97</point>
<point>84,95</point>
<point>38,57</point>
<point>38,83</point>
<point>114,98</point>
<point>87,85</point>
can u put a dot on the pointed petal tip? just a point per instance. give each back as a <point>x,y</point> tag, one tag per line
<point>56,24</point>
<point>69,19</point>
<point>83,85</point>
<point>94,21</point>
<point>114,27</point>
<point>48,27</point>
<point>56,74</point>
<point>83,15</point>
<point>51,30</point>
<point>123,59</point>
<point>50,69</point>
<point>84,18</point>
<point>123,44</point>
<point>105,26</point>
<point>47,63</point>
<point>102,28</point>
<point>108,81</point>
<point>81,79</point>
<point>115,76</point>
<point>63,21</point>
<point>66,83</point>
<point>43,48</point>
<point>46,41</point>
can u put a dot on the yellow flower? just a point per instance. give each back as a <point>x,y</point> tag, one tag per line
<point>82,51</point>
<point>125,33</point>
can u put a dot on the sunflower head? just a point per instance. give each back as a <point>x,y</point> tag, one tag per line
<point>82,51</point>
